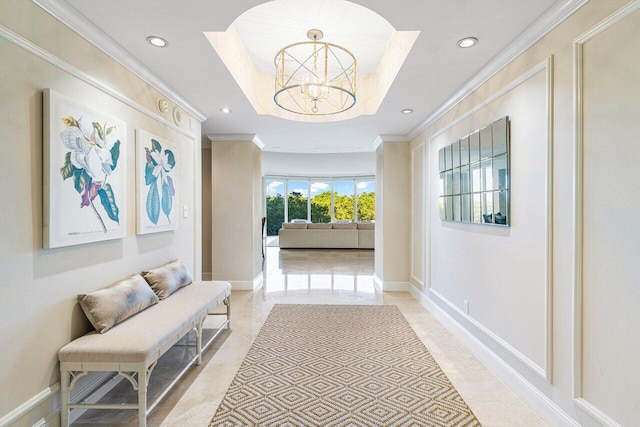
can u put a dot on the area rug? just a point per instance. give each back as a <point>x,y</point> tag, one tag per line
<point>340,365</point>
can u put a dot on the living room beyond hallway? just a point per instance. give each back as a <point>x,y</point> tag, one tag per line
<point>323,272</point>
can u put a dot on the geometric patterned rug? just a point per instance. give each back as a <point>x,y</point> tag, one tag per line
<point>340,365</point>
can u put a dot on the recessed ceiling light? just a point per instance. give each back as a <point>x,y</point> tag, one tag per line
<point>319,149</point>
<point>157,41</point>
<point>225,110</point>
<point>407,111</point>
<point>276,147</point>
<point>467,42</point>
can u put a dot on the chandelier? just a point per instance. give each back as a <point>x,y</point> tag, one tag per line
<point>315,78</point>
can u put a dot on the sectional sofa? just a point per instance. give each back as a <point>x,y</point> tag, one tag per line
<point>327,236</point>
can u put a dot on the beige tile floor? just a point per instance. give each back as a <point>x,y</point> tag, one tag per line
<point>312,277</point>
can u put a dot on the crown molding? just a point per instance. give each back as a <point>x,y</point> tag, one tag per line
<point>50,58</point>
<point>541,27</point>
<point>376,143</point>
<point>70,17</point>
<point>388,138</point>
<point>394,138</point>
<point>238,137</point>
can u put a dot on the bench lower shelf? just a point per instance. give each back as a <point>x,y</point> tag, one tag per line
<point>138,376</point>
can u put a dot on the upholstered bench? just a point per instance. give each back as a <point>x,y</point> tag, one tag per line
<point>132,348</point>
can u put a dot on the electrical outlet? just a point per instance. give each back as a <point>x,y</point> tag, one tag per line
<point>466,307</point>
<point>185,211</point>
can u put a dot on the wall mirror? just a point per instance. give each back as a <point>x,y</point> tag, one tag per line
<point>474,176</point>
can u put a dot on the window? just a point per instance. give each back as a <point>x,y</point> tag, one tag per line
<point>297,199</point>
<point>274,206</point>
<point>320,201</point>
<point>366,200</point>
<point>343,200</point>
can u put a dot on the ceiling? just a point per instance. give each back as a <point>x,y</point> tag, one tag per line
<point>435,69</point>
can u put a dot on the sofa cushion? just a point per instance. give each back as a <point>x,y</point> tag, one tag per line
<point>347,226</point>
<point>168,278</point>
<point>109,306</point>
<point>319,226</point>
<point>366,226</point>
<point>294,226</point>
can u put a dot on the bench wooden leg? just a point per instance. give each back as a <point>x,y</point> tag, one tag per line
<point>64,394</point>
<point>142,397</point>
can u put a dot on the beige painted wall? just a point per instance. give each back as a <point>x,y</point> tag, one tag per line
<point>418,234</point>
<point>39,287</point>
<point>520,281</point>
<point>379,232</point>
<point>236,184</point>
<point>393,201</point>
<point>206,212</point>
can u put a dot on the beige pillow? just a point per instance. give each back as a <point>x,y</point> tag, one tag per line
<point>168,278</point>
<point>109,306</point>
<point>294,226</point>
<point>366,226</point>
<point>347,226</point>
<point>319,226</point>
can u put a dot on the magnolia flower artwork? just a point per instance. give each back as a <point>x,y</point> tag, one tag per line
<point>157,184</point>
<point>84,173</point>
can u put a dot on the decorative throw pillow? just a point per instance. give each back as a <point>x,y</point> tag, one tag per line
<point>109,306</point>
<point>168,278</point>
<point>345,226</point>
<point>295,226</point>
<point>319,226</point>
<point>366,226</point>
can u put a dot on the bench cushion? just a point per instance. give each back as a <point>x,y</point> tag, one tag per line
<point>148,334</point>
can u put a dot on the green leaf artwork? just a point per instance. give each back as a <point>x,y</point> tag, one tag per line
<point>167,199</point>
<point>108,200</point>
<point>93,157</point>
<point>115,152</point>
<point>171,160</point>
<point>153,204</point>
<point>158,171</point>
<point>149,178</point>
<point>80,179</point>
<point>67,169</point>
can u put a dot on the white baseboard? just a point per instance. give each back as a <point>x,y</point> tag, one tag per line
<point>544,407</point>
<point>390,286</point>
<point>93,389</point>
<point>596,413</point>
<point>396,286</point>
<point>31,404</point>
<point>207,276</point>
<point>257,281</point>
<point>377,281</point>
<point>246,285</point>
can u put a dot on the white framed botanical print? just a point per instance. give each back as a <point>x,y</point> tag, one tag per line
<point>84,177</point>
<point>157,183</point>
